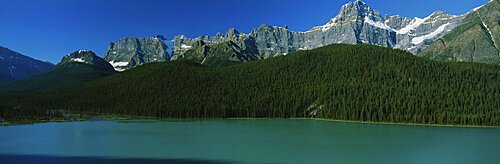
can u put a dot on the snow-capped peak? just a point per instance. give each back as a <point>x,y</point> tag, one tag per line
<point>417,22</point>
<point>80,56</point>
<point>83,51</point>
<point>358,2</point>
<point>352,11</point>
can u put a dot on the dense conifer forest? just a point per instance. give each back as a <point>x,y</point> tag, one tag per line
<point>343,82</point>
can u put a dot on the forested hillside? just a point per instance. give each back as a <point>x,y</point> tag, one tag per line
<point>345,82</point>
<point>61,76</point>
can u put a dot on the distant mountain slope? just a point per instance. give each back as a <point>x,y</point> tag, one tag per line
<point>15,66</point>
<point>344,82</point>
<point>477,39</point>
<point>75,68</point>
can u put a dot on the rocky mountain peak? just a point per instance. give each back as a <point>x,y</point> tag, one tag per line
<point>355,23</point>
<point>82,56</point>
<point>87,57</point>
<point>357,8</point>
<point>131,52</point>
<point>265,26</point>
<point>232,32</point>
<point>160,37</point>
<point>354,11</point>
<point>438,15</point>
<point>356,3</point>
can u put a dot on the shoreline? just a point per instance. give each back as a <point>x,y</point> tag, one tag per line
<point>126,117</point>
<point>102,117</point>
<point>401,124</point>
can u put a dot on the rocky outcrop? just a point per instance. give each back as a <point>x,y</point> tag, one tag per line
<point>87,57</point>
<point>222,54</point>
<point>356,23</point>
<point>475,40</point>
<point>131,52</point>
<point>15,66</point>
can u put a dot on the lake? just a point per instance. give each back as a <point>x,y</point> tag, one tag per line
<point>245,141</point>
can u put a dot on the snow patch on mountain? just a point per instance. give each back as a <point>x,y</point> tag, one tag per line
<point>488,29</point>
<point>328,26</point>
<point>11,69</point>
<point>431,35</point>
<point>489,32</point>
<point>117,65</point>
<point>80,60</point>
<point>412,26</point>
<point>186,47</point>
<point>82,51</point>
<point>377,24</point>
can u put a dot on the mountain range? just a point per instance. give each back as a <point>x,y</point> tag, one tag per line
<point>361,66</point>
<point>472,36</point>
<point>356,23</point>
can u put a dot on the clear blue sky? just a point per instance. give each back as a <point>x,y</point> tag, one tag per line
<point>50,29</point>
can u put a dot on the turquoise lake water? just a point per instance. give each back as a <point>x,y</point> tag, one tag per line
<point>245,141</point>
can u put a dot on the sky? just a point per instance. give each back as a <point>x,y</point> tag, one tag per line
<point>49,29</point>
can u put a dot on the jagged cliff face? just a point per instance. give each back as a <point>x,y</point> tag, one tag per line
<point>131,52</point>
<point>356,23</point>
<point>475,40</point>
<point>222,54</point>
<point>87,57</point>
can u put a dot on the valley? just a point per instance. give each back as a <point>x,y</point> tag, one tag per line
<point>379,85</point>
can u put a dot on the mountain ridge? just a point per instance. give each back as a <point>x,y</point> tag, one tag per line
<point>16,66</point>
<point>475,40</point>
<point>356,23</point>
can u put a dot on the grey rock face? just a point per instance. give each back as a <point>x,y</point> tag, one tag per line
<point>217,55</point>
<point>87,57</point>
<point>131,52</point>
<point>420,33</point>
<point>15,66</point>
<point>356,23</point>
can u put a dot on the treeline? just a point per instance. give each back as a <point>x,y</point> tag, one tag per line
<point>346,82</point>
